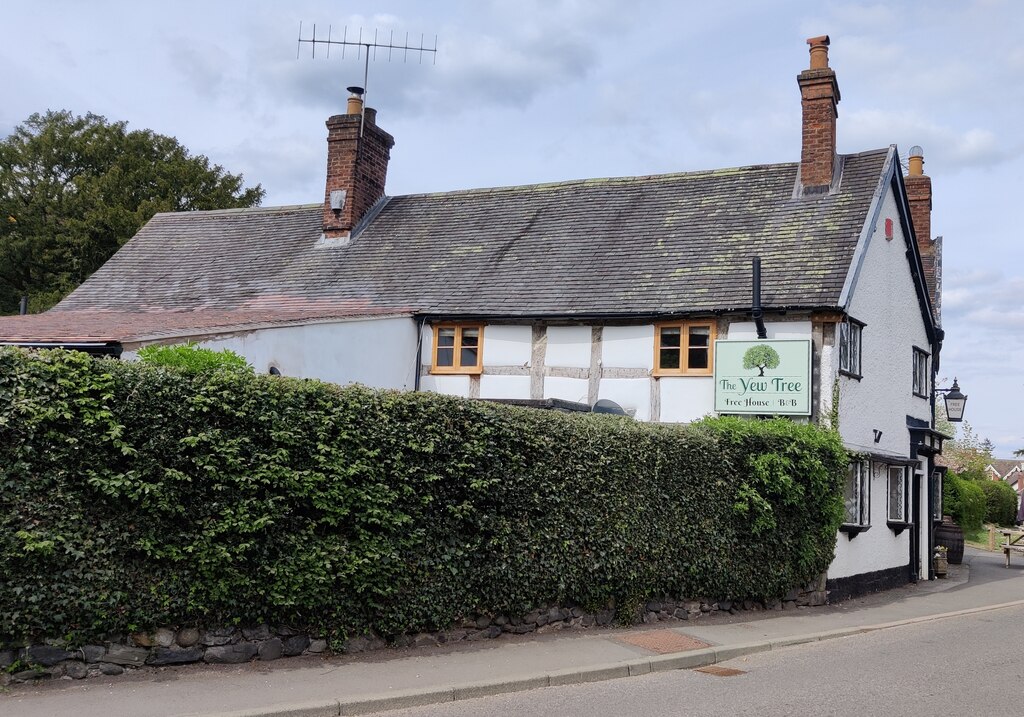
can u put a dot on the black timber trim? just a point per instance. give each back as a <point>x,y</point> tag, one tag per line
<point>840,589</point>
<point>852,530</point>
<point>93,348</point>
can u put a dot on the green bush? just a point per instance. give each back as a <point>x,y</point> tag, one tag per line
<point>132,496</point>
<point>964,500</point>
<point>191,357</point>
<point>1000,502</point>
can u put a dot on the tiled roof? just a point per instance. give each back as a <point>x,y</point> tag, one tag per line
<point>87,326</point>
<point>666,244</point>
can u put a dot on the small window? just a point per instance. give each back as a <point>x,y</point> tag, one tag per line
<point>937,495</point>
<point>849,347</point>
<point>685,348</point>
<point>898,491</point>
<point>458,349</point>
<point>920,373</point>
<point>857,495</point>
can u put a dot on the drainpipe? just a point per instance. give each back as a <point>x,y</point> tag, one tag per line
<point>419,353</point>
<point>756,313</point>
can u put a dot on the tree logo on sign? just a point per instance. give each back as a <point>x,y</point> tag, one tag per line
<point>761,357</point>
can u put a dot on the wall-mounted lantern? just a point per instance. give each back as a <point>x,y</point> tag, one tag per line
<point>955,402</point>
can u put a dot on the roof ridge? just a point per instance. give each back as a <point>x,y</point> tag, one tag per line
<point>627,179</point>
<point>279,209</point>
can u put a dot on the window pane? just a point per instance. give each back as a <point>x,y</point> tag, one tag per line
<point>468,356</point>
<point>445,356</point>
<point>668,358</point>
<point>697,358</point>
<point>700,336</point>
<point>844,346</point>
<point>855,349</point>
<point>670,336</point>
<point>896,494</point>
<point>851,495</point>
<point>446,337</point>
<point>471,337</point>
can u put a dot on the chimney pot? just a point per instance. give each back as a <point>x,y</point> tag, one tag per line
<point>819,52</point>
<point>916,161</point>
<point>370,115</point>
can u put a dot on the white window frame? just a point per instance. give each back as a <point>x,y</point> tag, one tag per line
<point>898,480</point>
<point>850,340</point>
<point>920,373</point>
<point>857,510</point>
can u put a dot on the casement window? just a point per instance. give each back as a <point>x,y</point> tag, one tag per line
<point>857,496</point>
<point>684,348</point>
<point>849,347</point>
<point>937,496</point>
<point>898,491</point>
<point>920,373</point>
<point>458,348</point>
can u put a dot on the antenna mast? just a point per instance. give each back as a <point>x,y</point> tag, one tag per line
<point>363,49</point>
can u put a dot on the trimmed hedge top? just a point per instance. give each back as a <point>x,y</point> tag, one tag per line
<point>134,495</point>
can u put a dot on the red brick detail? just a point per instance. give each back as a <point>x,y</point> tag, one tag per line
<point>359,166</point>
<point>919,196</point>
<point>819,95</point>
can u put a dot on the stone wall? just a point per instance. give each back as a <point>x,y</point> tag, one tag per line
<point>166,646</point>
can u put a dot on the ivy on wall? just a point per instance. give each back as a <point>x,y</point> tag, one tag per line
<point>135,495</point>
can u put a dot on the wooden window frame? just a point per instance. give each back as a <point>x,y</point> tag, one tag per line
<point>920,355</point>
<point>457,367</point>
<point>861,472</point>
<point>684,346</point>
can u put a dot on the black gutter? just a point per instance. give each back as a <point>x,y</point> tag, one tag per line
<point>619,316</point>
<point>108,348</point>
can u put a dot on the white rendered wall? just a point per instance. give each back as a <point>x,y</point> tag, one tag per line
<point>747,330</point>
<point>884,298</point>
<point>376,352</point>
<point>633,394</point>
<point>686,398</point>
<point>569,389</point>
<point>568,347</point>
<point>504,386</point>
<point>506,346</point>
<point>877,548</point>
<point>628,347</point>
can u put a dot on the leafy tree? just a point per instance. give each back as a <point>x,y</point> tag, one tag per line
<point>74,189</point>
<point>968,453</point>
<point>761,357</point>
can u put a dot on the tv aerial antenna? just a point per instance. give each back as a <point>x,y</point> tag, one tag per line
<point>364,48</point>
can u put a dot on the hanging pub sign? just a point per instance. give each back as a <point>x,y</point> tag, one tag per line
<point>763,377</point>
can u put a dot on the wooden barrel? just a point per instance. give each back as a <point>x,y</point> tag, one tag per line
<point>951,535</point>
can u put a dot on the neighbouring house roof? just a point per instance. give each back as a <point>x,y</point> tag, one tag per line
<point>669,244</point>
<point>1002,467</point>
<point>91,327</point>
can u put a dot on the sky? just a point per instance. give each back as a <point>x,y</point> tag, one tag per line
<point>525,91</point>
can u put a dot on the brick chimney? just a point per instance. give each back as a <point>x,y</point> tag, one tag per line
<point>919,195</point>
<point>357,165</point>
<point>819,95</point>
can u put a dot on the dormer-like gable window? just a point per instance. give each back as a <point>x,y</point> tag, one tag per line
<point>849,347</point>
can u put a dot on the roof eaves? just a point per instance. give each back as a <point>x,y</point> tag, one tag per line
<point>867,230</point>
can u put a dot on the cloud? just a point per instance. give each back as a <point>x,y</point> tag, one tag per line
<point>950,147</point>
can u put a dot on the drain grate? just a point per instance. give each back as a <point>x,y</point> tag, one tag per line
<point>663,642</point>
<point>719,671</point>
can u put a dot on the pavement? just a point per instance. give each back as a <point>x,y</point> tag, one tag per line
<point>397,678</point>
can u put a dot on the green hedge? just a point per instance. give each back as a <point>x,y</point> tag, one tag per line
<point>133,496</point>
<point>1000,502</point>
<point>964,500</point>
